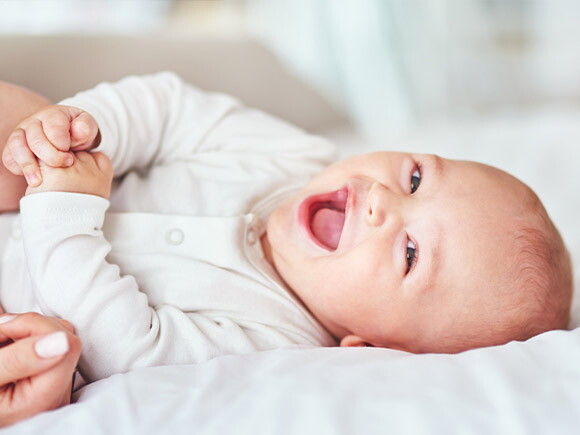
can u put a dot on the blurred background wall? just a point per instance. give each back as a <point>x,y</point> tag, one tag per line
<point>391,65</point>
<point>497,81</point>
<point>395,63</point>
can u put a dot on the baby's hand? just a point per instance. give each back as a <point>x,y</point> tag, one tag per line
<point>49,135</point>
<point>91,173</point>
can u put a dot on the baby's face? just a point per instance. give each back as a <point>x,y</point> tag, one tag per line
<point>392,249</point>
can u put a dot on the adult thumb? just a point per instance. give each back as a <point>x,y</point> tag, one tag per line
<point>31,356</point>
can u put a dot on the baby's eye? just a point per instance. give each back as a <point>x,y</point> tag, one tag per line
<point>415,180</point>
<point>411,255</point>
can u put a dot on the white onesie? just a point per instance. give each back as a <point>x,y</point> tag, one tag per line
<point>174,272</point>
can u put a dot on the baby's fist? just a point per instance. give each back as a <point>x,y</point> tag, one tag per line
<point>91,173</point>
<point>48,136</point>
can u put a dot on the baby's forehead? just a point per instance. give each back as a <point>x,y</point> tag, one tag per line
<point>490,181</point>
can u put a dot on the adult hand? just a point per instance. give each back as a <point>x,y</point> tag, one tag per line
<point>36,365</point>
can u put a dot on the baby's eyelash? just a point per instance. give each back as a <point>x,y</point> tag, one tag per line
<point>415,258</point>
<point>416,180</point>
<point>415,246</point>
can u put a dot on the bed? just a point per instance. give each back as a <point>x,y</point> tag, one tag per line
<point>518,388</point>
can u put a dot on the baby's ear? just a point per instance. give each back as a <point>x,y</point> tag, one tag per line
<point>353,341</point>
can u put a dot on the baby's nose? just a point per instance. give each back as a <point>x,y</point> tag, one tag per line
<point>382,205</point>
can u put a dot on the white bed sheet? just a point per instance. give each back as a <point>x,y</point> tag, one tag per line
<point>518,388</point>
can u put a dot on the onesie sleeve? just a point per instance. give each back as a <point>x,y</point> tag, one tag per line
<point>157,119</point>
<point>151,119</point>
<point>66,254</point>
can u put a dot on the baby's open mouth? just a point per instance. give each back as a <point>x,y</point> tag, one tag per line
<point>327,216</point>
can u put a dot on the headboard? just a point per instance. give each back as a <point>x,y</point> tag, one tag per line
<point>60,66</point>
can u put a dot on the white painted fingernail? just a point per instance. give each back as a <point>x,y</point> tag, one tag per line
<point>7,318</point>
<point>52,345</point>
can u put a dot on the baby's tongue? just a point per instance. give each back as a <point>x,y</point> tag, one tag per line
<point>327,226</point>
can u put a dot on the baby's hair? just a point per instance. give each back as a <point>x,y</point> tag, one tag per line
<point>537,290</point>
<point>543,273</point>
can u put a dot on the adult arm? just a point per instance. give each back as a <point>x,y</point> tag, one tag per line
<point>16,103</point>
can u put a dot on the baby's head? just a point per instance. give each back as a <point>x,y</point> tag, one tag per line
<point>423,254</point>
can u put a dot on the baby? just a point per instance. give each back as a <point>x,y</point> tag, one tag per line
<point>208,249</point>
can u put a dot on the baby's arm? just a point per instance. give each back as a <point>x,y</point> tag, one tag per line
<point>66,256</point>
<point>151,120</point>
<point>144,121</point>
<point>157,119</point>
<point>149,123</point>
